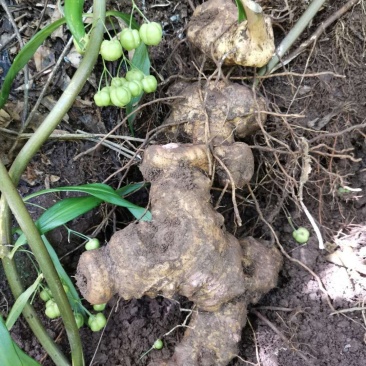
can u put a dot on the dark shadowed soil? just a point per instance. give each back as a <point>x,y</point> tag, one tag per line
<point>319,97</point>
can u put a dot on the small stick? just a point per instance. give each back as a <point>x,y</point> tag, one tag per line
<point>280,334</point>
<point>233,197</point>
<point>26,69</point>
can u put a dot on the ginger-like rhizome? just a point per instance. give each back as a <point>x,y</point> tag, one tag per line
<point>184,250</point>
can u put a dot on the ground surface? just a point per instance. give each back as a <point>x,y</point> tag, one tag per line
<point>320,96</point>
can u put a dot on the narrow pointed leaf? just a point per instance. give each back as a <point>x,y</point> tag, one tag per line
<point>21,302</point>
<point>10,353</point>
<point>241,11</point>
<point>59,214</point>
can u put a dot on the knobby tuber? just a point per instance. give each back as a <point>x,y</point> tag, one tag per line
<point>214,113</point>
<point>184,250</point>
<point>215,30</point>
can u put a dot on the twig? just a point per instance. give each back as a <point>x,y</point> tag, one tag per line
<point>2,46</point>
<point>280,334</point>
<point>350,310</point>
<point>26,69</point>
<point>233,197</point>
<point>305,171</point>
<point>43,92</point>
<point>123,121</point>
<point>288,73</point>
<point>339,133</point>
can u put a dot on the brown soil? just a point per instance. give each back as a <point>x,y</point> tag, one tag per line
<point>319,96</point>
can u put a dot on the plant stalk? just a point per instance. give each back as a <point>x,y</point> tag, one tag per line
<point>292,36</point>
<point>17,168</point>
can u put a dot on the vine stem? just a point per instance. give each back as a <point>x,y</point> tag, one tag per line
<point>8,182</point>
<point>292,36</point>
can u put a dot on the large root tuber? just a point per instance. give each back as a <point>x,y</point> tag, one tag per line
<point>214,114</point>
<point>185,250</point>
<point>215,30</point>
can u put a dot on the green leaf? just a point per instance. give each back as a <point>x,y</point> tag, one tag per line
<point>125,17</point>
<point>141,61</point>
<point>10,353</point>
<point>73,11</point>
<point>59,214</point>
<point>24,55</point>
<point>21,302</point>
<point>123,191</point>
<point>72,295</point>
<point>101,191</point>
<point>241,11</point>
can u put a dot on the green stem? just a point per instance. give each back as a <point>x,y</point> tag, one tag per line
<point>134,6</point>
<point>292,36</point>
<point>17,168</point>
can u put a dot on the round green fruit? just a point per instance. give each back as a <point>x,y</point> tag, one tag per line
<point>118,82</point>
<point>134,74</point>
<point>130,39</point>
<point>52,311</point>
<point>151,33</point>
<point>111,50</point>
<point>158,344</point>
<point>120,96</point>
<point>97,322</point>
<point>102,98</point>
<point>149,83</point>
<point>79,319</point>
<point>135,87</point>
<point>92,244</point>
<point>45,294</point>
<point>99,307</point>
<point>301,235</point>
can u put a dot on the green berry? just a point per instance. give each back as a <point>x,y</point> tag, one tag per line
<point>135,87</point>
<point>99,307</point>
<point>111,50</point>
<point>45,294</point>
<point>118,82</point>
<point>120,96</point>
<point>130,39</point>
<point>158,344</point>
<point>52,311</point>
<point>151,33</point>
<point>149,83</point>
<point>97,322</point>
<point>134,74</point>
<point>92,244</point>
<point>102,98</point>
<point>79,319</point>
<point>301,235</point>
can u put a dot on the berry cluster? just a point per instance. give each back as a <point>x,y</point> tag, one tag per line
<point>122,89</point>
